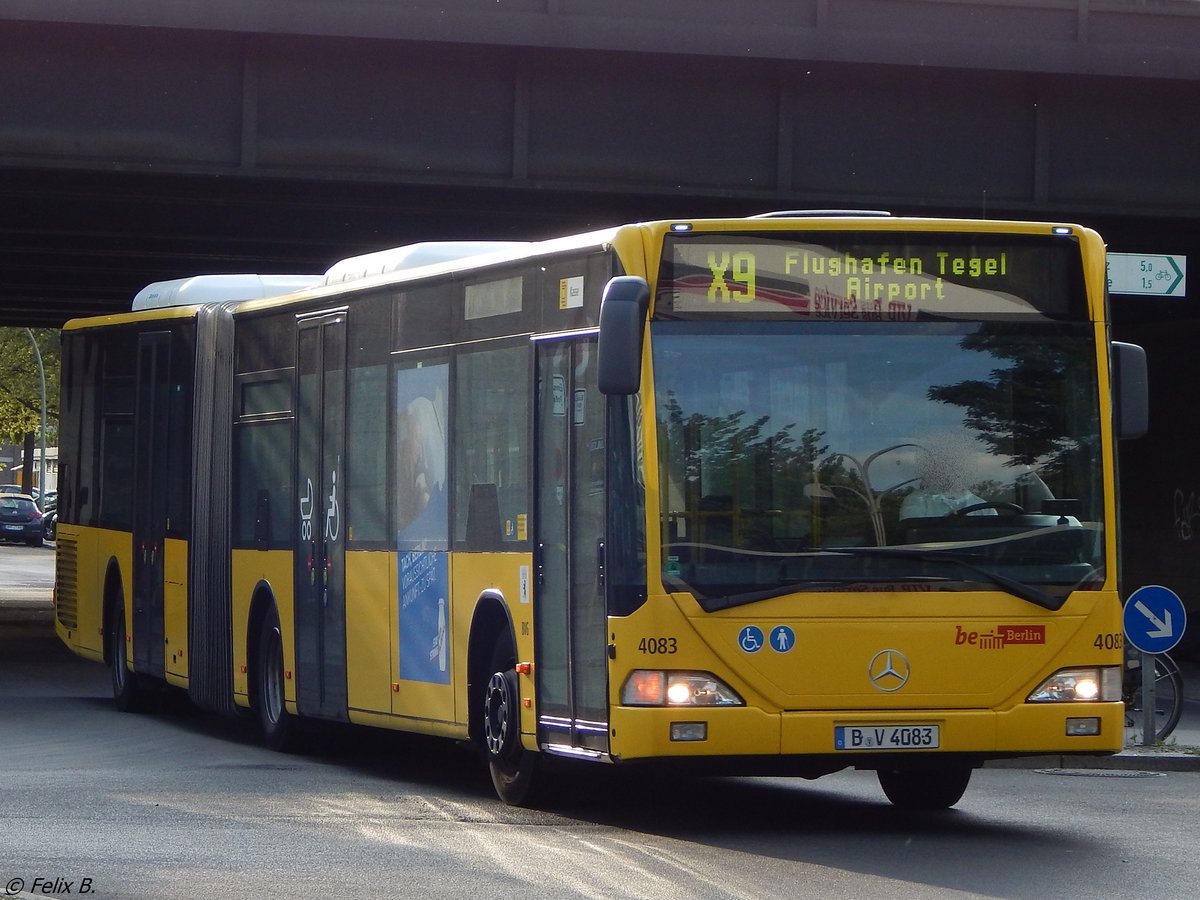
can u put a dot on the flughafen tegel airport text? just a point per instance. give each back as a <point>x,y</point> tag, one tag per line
<point>875,280</point>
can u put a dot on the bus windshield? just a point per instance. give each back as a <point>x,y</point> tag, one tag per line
<point>791,452</point>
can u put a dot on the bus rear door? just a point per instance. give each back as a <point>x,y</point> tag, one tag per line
<point>151,442</point>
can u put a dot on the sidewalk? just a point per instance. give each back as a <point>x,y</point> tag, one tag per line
<point>1180,752</point>
<point>26,604</point>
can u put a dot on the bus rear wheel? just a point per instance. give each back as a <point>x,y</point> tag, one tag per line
<point>925,788</point>
<point>513,768</point>
<point>280,730</point>
<point>129,690</point>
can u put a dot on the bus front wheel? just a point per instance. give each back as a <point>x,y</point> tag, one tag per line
<point>924,788</point>
<point>513,768</point>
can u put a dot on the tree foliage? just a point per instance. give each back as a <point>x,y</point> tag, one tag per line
<point>20,383</point>
<point>1020,412</point>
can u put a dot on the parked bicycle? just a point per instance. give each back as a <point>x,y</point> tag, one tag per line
<point>1168,694</point>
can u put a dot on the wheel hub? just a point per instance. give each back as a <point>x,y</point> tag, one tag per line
<point>498,704</point>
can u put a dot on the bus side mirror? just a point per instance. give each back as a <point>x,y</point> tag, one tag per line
<point>622,323</point>
<point>1131,392</point>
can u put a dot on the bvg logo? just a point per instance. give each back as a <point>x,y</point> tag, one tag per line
<point>1002,636</point>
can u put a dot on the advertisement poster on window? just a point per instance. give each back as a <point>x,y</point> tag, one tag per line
<point>422,523</point>
<point>424,613</point>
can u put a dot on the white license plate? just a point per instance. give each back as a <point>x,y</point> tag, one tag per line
<point>886,737</point>
<point>14,528</point>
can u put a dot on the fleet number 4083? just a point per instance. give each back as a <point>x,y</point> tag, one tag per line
<point>658,646</point>
<point>1110,641</point>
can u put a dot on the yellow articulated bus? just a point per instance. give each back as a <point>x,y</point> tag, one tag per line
<point>784,494</point>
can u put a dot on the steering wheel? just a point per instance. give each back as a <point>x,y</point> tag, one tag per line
<point>999,505</point>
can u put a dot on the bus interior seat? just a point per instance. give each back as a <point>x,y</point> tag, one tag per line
<point>483,518</point>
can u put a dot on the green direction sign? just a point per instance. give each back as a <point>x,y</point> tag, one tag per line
<point>1147,274</point>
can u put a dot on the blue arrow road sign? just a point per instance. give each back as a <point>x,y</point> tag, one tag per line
<point>1154,619</point>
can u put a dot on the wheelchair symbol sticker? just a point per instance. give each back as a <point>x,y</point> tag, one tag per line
<point>750,639</point>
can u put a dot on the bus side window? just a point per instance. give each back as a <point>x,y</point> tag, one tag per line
<point>491,446</point>
<point>483,518</point>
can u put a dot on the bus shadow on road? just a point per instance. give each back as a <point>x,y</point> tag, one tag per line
<point>818,818</point>
<point>818,822</point>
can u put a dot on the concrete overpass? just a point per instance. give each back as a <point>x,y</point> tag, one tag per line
<point>143,139</point>
<point>149,139</point>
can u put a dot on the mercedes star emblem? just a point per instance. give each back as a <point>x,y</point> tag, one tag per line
<point>889,670</point>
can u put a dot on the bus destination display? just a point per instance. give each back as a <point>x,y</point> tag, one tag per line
<point>897,281</point>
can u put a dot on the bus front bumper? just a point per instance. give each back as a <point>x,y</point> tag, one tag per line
<point>1028,729</point>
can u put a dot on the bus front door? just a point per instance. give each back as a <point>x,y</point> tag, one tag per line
<point>320,579</point>
<point>151,440</point>
<point>569,612</point>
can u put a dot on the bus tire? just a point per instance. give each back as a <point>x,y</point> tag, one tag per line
<point>514,769</point>
<point>129,689</point>
<point>280,729</point>
<point>925,788</point>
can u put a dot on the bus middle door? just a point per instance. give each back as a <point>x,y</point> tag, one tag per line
<point>320,577</point>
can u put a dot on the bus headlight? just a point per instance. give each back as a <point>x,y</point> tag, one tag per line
<point>655,687</point>
<point>1093,683</point>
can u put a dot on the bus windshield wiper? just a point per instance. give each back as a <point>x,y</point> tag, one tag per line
<point>1019,589</point>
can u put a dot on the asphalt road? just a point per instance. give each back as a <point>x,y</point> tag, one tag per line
<point>26,574</point>
<point>182,804</point>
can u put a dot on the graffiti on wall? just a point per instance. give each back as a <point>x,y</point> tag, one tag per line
<point>1187,511</point>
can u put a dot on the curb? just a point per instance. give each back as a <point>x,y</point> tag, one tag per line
<point>1174,759</point>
